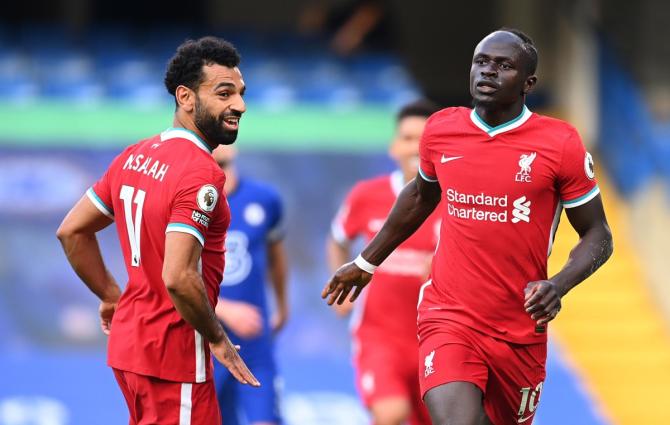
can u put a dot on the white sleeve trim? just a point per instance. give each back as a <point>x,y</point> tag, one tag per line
<point>582,199</point>
<point>185,228</point>
<point>90,193</point>
<point>425,176</point>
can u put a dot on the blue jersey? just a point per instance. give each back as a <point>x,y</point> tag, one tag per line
<point>256,219</point>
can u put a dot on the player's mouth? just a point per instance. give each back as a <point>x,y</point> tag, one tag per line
<point>231,122</point>
<point>487,86</point>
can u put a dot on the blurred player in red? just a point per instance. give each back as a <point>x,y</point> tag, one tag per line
<point>504,174</point>
<point>385,347</point>
<point>165,195</point>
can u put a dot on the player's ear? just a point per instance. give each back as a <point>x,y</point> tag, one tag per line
<point>529,84</point>
<point>185,98</point>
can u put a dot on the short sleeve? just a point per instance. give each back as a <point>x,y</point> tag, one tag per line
<point>276,229</point>
<point>100,195</point>
<point>426,166</point>
<point>346,225</point>
<point>576,179</point>
<point>194,204</point>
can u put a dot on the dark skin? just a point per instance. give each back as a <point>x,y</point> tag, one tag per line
<point>500,79</point>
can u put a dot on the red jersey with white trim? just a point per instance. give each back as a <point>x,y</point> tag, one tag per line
<point>167,183</point>
<point>503,189</point>
<point>388,305</point>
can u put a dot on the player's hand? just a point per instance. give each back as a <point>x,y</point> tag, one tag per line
<point>227,354</point>
<point>243,319</point>
<point>106,311</point>
<point>543,301</point>
<point>279,319</point>
<point>346,278</point>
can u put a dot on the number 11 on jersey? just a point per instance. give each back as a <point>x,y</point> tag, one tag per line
<point>133,226</point>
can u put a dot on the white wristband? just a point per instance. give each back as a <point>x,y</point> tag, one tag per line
<point>364,265</point>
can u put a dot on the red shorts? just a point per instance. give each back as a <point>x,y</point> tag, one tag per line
<point>155,401</point>
<point>385,370</point>
<point>509,375</point>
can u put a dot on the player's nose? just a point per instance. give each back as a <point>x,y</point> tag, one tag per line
<point>239,105</point>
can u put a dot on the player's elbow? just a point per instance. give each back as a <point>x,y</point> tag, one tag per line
<point>65,231</point>
<point>176,281</point>
<point>608,242</point>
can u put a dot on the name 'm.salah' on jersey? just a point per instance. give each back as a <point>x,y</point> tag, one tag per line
<point>503,191</point>
<point>167,183</point>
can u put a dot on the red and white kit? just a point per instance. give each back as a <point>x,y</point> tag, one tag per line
<point>167,183</point>
<point>385,345</point>
<point>503,191</point>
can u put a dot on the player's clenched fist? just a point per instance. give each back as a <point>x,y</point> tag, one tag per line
<point>227,353</point>
<point>343,281</point>
<point>543,301</point>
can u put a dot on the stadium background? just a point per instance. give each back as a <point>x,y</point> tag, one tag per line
<point>80,79</point>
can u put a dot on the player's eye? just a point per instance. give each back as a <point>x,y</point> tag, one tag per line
<point>506,66</point>
<point>224,94</point>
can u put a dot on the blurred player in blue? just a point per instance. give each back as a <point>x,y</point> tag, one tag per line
<point>254,254</point>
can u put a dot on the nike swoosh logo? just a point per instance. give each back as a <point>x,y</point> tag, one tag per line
<point>522,420</point>
<point>447,159</point>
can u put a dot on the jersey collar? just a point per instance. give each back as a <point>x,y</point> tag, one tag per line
<point>397,182</point>
<point>182,133</point>
<point>509,125</point>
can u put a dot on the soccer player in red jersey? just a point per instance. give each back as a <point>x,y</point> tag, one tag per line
<point>385,347</point>
<point>504,174</point>
<point>165,195</point>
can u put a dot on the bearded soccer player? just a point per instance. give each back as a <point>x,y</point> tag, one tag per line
<point>385,347</point>
<point>504,174</point>
<point>165,195</point>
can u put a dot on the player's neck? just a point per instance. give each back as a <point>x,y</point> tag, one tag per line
<point>495,115</point>
<point>181,122</point>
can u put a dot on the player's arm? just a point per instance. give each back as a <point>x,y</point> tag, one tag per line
<point>77,236</point>
<point>187,290</point>
<point>543,298</point>
<point>278,271</point>
<point>339,253</point>
<point>415,203</point>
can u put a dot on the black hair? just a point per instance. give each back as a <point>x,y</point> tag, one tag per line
<point>419,108</point>
<point>528,48</point>
<point>185,67</point>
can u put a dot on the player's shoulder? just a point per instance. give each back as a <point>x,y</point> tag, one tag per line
<point>373,183</point>
<point>371,186</point>
<point>454,117</point>
<point>550,125</point>
<point>189,150</point>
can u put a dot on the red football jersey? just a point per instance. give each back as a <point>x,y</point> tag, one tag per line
<point>167,183</point>
<point>503,189</point>
<point>387,307</point>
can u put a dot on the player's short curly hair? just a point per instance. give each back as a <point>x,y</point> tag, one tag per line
<point>185,67</point>
<point>419,108</point>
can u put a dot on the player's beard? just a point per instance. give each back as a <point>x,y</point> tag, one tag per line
<point>213,128</point>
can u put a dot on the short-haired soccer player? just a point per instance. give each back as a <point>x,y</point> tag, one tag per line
<point>504,174</point>
<point>165,195</point>
<point>383,325</point>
